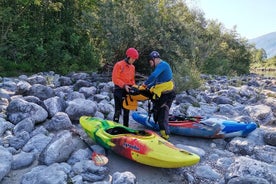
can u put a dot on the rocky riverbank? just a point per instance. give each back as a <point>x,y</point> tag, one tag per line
<point>37,146</point>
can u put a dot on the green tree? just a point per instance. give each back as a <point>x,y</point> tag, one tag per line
<point>43,35</point>
<point>258,55</point>
<point>226,53</point>
<point>70,35</point>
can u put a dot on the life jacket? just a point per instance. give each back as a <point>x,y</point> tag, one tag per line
<point>131,100</point>
<point>158,89</point>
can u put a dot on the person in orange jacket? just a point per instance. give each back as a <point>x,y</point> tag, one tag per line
<point>123,77</point>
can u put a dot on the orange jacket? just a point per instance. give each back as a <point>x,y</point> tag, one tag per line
<point>123,74</point>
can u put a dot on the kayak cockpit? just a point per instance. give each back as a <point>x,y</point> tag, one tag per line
<point>123,130</point>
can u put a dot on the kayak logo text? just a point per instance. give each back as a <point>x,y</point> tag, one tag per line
<point>133,147</point>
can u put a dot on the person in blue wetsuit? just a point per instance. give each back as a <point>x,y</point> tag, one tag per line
<point>161,85</point>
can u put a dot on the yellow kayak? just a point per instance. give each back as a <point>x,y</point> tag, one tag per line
<point>143,146</point>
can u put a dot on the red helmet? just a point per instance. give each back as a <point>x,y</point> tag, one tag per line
<point>132,53</point>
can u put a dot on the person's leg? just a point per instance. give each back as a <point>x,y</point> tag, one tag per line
<point>126,117</point>
<point>163,114</point>
<point>158,115</point>
<point>163,118</point>
<point>118,100</point>
<point>118,107</point>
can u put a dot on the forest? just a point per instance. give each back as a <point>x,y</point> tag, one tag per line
<point>91,35</point>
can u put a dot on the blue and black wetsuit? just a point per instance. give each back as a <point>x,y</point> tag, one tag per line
<point>160,83</point>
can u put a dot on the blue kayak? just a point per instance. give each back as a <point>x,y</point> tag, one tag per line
<point>199,127</point>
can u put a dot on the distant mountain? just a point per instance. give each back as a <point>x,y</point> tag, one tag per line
<point>267,42</point>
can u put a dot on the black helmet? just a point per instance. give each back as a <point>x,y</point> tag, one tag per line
<point>154,54</point>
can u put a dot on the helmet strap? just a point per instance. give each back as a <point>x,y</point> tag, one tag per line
<point>127,60</point>
<point>154,65</point>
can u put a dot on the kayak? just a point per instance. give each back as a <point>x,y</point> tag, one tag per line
<point>199,127</point>
<point>143,146</point>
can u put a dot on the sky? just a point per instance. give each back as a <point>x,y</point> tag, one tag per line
<point>253,18</point>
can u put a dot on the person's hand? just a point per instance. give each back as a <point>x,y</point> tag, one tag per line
<point>127,87</point>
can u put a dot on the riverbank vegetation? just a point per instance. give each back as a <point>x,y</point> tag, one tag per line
<point>265,65</point>
<point>90,35</point>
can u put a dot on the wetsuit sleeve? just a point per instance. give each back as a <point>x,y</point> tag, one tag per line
<point>151,79</point>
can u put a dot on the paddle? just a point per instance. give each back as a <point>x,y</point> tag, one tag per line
<point>99,159</point>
